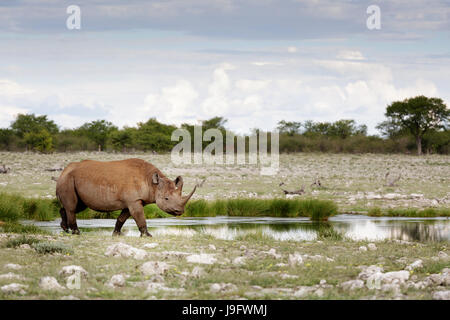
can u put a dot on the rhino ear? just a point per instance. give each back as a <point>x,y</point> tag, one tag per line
<point>155,178</point>
<point>178,182</point>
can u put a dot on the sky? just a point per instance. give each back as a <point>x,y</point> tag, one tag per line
<point>254,62</point>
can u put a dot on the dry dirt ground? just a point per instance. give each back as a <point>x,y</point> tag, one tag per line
<point>355,182</point>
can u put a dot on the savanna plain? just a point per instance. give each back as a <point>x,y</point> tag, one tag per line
<point>185,264</point>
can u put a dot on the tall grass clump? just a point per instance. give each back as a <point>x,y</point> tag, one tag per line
<point>14,227</point>
<point>10,207</point>
<point>200,208</point>
<point>16,242</point>
<point>410,212</point>
<point>47,247</point>
<point>318,210</point>
<point>40,209</point>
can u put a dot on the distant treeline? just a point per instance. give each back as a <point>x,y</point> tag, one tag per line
<point>38,133</point>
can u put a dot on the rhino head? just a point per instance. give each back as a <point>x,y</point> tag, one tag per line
<point>168,194</point>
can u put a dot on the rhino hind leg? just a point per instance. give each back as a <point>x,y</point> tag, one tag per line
<point>63,224</point>
<point>137,212</point>
<point>124,215</point>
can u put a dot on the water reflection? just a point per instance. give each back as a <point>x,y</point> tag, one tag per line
<point>295,229</point>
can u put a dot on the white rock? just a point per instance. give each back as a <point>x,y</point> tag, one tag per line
<point>13,266</point>
<point>415,265</point>
<point>442,255</point>
<point>441,295</point>
<point>50,283</point>
<point>197,272</point>
<point>73,269</point>
<point>124,250</point>
<point>372,246</point>
<point>303,291</point>
<point>396,276</point>
<point>288,276</point>
<point>14,288</point>
<point>25,246</point>
<point>11,276</point>
<point>150,245</point>
<point>323,281</point>
<point>221,287</point>
<point>362,248</point>
<point>295,259</point>
<point>239,260</point>
<point>352,284</point>
<point>390,287</point>
<point>154,268</point>
<point>242,247</point>
<point>203,258</point>
<point>368,271</point>
<point>212,247</point>
<point>319,292</point>
<point>272,252</point>
<point>117,280</point>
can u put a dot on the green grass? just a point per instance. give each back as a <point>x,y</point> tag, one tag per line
<point>14,227</point>
<point>410,212</point>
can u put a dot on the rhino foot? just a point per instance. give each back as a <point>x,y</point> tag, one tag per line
<point>117,233</point>
<point>76,231</point>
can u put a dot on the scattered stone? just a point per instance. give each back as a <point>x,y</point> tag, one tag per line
<point>239,260</point>
<point>124,250</point>
<point>154,268</point>
<point>13,266</point>
<point>50,283</point>
<point>14,288</point>
<point>197,272</point>
<point>117,280</point>
<point>390,287</point>
<point>272,252</point>
<point>281,264</point>
<point>396,276</point>
<point>212,247</point>
<point>442,255</point>
<point>441,295</point>
<point>73,269</point>
<point>25,246</point>
<point>222,287</point>
<point>150,245</point>
<point>440,279</point>
<point>11,276</point>
<point>362,248</point>
<point>156,286</point>
<point>372,246</point>
<point>303,291</point>
<point>203,258</point>
<point>352,284</point>
<point>319,292</point>
<point>415,265</point>
<point>369,271</point>
<point>288,276</point>
<point>322,282</point>
<point>295,259</point>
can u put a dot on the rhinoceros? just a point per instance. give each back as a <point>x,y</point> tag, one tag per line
<point>126,185</point>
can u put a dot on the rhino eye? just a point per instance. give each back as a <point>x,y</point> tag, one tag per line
<point>166,198</point>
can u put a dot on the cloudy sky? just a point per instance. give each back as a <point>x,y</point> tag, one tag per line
<point>254,62</point>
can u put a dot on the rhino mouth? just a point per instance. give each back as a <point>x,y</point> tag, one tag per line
<point>175,213</point>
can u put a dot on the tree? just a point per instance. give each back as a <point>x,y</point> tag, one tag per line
<point>123,139</point>
<point>30,123</point>
<point>289,127</point>
<point>418,115</point>
<point>154,135</point>
<point>98,131</point>
<point>6,138</point>
<point>39,141</point>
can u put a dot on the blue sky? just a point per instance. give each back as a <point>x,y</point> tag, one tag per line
<point>254,62</point>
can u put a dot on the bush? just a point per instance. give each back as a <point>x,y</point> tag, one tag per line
<point>52,247</point>
<point>13,243</point>
<point>318,210</point>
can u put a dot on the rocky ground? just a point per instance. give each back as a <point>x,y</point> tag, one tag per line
<point>355,182</point>
<point>198,266</point>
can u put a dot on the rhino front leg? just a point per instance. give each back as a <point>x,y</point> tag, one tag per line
<point>124,215</point>
<point>137,212</point>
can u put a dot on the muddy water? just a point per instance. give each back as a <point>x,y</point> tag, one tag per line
<point>228,228</point>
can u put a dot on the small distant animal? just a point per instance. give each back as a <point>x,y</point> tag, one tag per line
<point>126,185</point>
<point>4,169</point>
